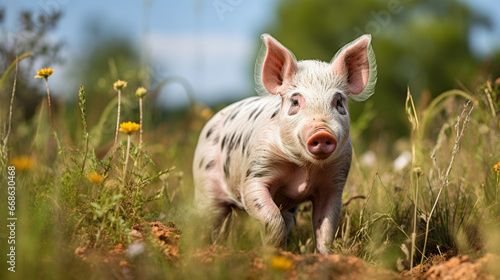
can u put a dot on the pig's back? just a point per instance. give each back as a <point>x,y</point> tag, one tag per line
<point>226,143</point>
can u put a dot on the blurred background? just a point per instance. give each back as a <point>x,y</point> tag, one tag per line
<point>203,52</point>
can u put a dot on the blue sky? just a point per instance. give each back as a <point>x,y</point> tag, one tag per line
<point>212,43</point>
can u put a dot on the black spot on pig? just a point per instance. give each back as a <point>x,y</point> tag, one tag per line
<point>275,114</point>
<point>201,163</point>
<point>223,142</point>
<point>261,174</point>
<point>209,132</point>
<point>238,142</point>
<point>244,145</point>
<point>239,105</point>
<point>253,173</point>
<point>210,164</point>
<point>253,112</point>
<point>257,170</point>
<point>230,144</point>
<point>258,205</point>
<point>216,140</point>
<point>260,112</point>
<point>234,115</point>
<point>226,167</point>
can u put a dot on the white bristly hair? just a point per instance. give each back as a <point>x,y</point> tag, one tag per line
<point>365,94</point>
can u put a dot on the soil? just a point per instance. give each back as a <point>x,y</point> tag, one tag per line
<point>166,237</point>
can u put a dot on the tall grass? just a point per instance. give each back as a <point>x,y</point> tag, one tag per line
<point>443,200</point>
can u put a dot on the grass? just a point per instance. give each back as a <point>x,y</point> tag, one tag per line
<point>81,201</point>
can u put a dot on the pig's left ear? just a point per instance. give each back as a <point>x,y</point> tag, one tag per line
<point>356,62</point>
<point>274,68</point>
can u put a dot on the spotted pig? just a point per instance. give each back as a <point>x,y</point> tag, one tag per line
<point>268,154</point>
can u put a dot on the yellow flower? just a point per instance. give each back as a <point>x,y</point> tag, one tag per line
<point>281,263</point>
<point>206,113</point>
<point>44,73</point>
<point>140,92</point>
<point>95,178</point>
<point>129,127</point>
<point>496,167</point>
<point>119,85</point>
<point>22,163</point>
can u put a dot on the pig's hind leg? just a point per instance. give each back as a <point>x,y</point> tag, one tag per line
<point>221,223</point>
<point>214,207</point>
<point>211,198</point>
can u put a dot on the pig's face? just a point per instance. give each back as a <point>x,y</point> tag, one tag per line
<point>314,118</point>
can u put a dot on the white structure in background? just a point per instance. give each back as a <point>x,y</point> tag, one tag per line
<point>368,159</point>
<point>402,161</point>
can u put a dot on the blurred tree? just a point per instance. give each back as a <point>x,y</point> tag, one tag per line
<point>420,43</point>
<point>30,36</point>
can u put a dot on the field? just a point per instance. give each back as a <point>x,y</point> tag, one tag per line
<point>88,205</point>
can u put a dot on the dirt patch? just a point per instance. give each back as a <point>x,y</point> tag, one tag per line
<point>336,266</point>
<point>460,267</point>
<point>464,268</point>
<point>256,265</point>
<point>418,271</point>
<point>293,266</point>
<point>168,236</point>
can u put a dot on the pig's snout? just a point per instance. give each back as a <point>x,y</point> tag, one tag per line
<point>321,144</point>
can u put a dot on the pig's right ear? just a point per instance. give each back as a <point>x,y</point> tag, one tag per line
<point>274,68</point>
<point>356,63</point>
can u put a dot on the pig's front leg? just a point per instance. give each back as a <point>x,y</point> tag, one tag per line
<point>326,213</point>
<point>260,205</point>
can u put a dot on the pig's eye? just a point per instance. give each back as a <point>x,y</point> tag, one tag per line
<point>296,103</point>
<point>339,104</point>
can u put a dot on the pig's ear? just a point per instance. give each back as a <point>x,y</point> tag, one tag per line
<point>274,68</point>
<point>356,62</point>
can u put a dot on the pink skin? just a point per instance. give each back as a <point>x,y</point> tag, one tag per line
<point>267,155</point>
<point>321,144</point>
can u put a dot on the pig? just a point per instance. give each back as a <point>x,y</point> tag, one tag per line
<point>269,153</point>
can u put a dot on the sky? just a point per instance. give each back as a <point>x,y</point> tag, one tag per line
<point>211,43</point>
